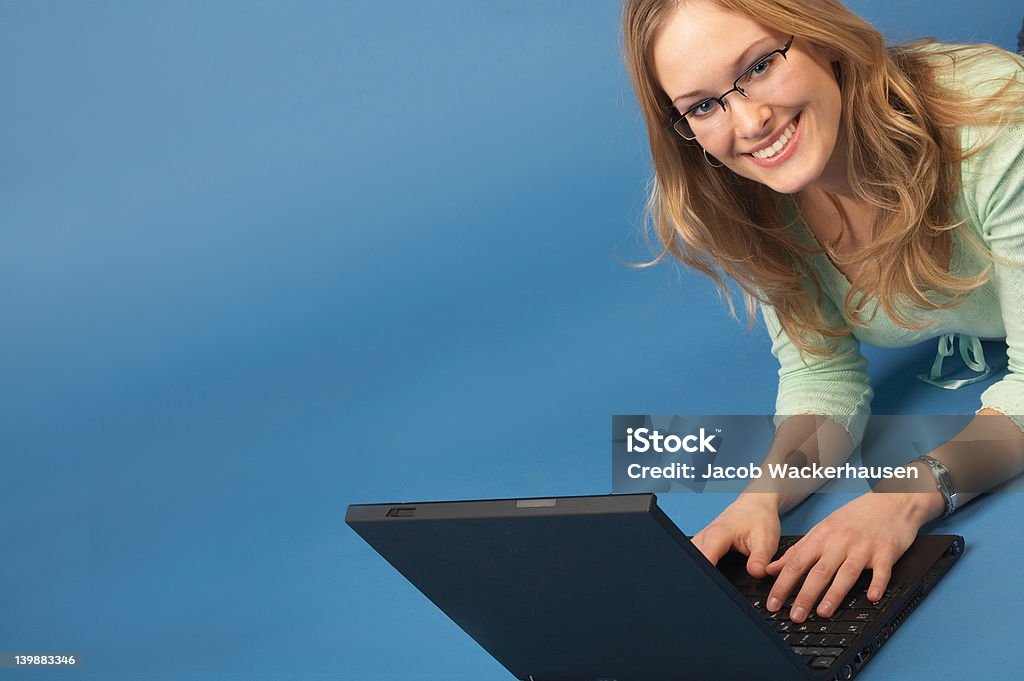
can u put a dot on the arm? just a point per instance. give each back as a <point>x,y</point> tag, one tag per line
<point>874,530</point>
<point>828,402</point>
<point>990,450</point>
<point>829,399</point>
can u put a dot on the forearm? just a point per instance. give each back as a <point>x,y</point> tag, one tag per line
<point>987,452</point>
<point>800,441</point>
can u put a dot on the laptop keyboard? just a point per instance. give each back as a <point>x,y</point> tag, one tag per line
<point>818,640</point>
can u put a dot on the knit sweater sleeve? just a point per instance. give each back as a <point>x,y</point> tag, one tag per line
<point>837,387</point>
<point>993,198</point>
<point>994,190</point>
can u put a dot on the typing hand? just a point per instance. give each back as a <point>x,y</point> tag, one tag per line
<point>870,532</point>
<point>749,525</point>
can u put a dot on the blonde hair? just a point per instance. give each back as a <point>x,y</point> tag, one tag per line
<point>903,158</point>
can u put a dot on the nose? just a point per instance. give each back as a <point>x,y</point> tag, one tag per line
<point>749,116</point>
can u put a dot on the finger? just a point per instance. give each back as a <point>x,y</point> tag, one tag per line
<point>712,545</point>
<point>762,548</point>
<point>797,560</point>
<point>818,578</point>
<point>847,575</point>
<point>775,567</point>
<point>880,573</point>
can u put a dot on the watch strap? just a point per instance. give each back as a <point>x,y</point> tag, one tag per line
<point>943,481</point>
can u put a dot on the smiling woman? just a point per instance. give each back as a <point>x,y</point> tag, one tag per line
<point>855,192</point>
<point>782,99</point>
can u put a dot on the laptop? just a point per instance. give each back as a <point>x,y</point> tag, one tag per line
<point>607,588</point>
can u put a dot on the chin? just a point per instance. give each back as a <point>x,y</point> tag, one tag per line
<point>782,185</point>
<point>794,186</point>
<point>797,176</point>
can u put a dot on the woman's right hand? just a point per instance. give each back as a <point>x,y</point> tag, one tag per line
<point>749,525</point>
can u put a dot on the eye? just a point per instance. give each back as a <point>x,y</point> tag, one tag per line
<point>705,108</point>
<point>760,68</point>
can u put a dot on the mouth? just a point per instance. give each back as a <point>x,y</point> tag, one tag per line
<point>780,148</point>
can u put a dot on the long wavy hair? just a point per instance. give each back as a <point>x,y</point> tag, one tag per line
<point>903,158</point>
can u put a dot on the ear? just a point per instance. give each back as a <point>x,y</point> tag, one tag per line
<point>825,54</point>
<point>837,69</point>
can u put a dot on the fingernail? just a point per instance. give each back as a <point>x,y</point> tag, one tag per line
<point>757,566</point>
<point>826,608</point>
<point>874,595</point>
<point>773,603</point>
<point>797,613</point>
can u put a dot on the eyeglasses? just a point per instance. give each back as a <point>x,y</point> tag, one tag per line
<point>759,81</point>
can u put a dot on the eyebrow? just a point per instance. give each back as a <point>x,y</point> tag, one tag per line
<point>742,59</point>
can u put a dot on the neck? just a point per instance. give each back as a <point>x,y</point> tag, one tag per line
<point>835,178</point>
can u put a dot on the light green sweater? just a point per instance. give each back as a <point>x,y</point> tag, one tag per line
<point>991,203</point>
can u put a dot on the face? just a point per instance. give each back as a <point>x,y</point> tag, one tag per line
<point>698,54</point>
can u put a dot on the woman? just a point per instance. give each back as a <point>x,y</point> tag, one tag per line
<point>855,193</point>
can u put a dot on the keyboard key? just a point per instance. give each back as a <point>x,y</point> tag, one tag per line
<point>861,601</point>
<point>835,628</point>
<point>814,628</point>
<point>886,597</point>
<point>800,640</point>
<point>858,615</point>
<point>806,639</point>
<point>822,662</point>
<point>838,640</point>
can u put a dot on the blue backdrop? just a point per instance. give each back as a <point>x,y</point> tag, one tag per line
<point>261,260</point>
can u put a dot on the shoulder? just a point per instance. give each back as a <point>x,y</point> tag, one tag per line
<point>982,94</point>
<point>971,70</point>
<point>992,178</point>
<point>988,81</point>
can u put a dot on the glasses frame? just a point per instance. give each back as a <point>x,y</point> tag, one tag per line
<point>679,122</point>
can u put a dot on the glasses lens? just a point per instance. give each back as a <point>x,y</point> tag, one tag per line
<point>764,78</point>
<point>704,118</point>
<point>683,129</point>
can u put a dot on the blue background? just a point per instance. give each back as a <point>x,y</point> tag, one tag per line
<point>261,260</point>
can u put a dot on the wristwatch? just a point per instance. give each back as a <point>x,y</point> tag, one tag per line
<point>944,482</point>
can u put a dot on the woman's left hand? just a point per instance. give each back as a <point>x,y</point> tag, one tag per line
<point>870,532</point>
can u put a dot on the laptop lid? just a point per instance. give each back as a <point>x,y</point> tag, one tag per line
<point>578,588</point>
<point>607,588</point>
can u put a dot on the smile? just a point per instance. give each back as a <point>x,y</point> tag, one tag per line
<point>779,144</point>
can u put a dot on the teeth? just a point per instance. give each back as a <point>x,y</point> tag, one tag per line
<point>780,143</point>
